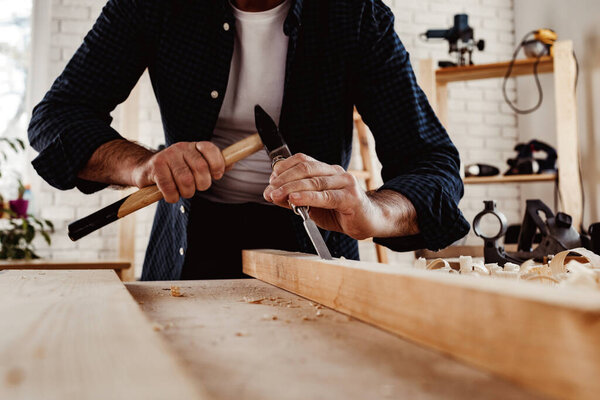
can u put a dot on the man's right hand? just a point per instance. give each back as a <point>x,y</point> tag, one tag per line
<point>181,169</point>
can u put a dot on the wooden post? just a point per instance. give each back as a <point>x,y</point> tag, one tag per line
<point>371,183</point>
<point>427,81</point>
<point>569,180</point>
<point>129,128</point>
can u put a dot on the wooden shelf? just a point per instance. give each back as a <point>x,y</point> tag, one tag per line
<point>498,70</point>
<point>510,179</point>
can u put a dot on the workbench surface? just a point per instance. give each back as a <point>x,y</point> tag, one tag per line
<point>285,347</point>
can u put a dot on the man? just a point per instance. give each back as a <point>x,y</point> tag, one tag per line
<point>308,63</point>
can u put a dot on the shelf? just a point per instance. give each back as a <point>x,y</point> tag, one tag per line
<point>488,71</point>
<point>510,179</point>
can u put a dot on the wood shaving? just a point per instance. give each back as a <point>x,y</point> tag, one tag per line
<point>250,300</point>
<point>563,270</point>
<point>306,318</point>
<point>319,313</point>
<point>175,291</point>
<point>157,327</point>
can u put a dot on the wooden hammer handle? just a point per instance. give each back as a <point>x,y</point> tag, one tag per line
<point>150,194</point>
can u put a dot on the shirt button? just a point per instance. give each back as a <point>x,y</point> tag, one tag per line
<point>214,94</point>
<point>181,251</point>
<point>225,26</point>
<point>182,209</point>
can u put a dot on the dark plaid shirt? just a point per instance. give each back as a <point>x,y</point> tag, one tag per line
<point>341,53</point>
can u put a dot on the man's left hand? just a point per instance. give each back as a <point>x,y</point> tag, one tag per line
<point>336,200</point>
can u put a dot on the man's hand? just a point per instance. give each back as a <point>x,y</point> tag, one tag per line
<point>336,200</point>
<point>181,169</point>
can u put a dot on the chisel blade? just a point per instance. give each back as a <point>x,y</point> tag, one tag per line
<point>317,239</point>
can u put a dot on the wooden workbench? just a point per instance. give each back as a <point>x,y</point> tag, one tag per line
<point>238,350</point>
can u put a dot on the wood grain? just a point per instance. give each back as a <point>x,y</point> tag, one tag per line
<point>539,337</point>
<point>330,356</point>
<point>151,194</point>
<point>79,335</point>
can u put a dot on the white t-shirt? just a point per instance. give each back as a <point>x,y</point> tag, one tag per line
<point>257,76</point>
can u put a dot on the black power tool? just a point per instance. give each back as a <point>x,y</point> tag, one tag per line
<point>557,234</point>
<point>526,163</point>
<point>461,40</point>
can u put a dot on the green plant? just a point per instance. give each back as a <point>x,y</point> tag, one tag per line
<point>16,241</point>
<point>21,189</point>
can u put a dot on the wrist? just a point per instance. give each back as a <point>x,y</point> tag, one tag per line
<point>394,214</point>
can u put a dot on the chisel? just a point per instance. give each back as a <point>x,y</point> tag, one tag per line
<point>150,194</point>
<point>278,150</point>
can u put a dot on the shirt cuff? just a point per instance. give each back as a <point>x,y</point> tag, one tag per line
<point>61,160</point>
<point>440,221</point>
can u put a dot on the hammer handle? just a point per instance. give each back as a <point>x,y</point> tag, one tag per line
<point>150,194</point>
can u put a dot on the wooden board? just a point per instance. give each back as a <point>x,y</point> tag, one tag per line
<point>79,335</point>
<point>496,70</point>
<point>540,337</point>
<point>123,268</point>
<point>328,357</point>
<point>567,138</point>
<point>63,264</point>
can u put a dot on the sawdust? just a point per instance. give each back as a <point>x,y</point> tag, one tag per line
<point>157,327</point>
<point>175,291</point>
<point>270,317</point>
<point>241,333</point>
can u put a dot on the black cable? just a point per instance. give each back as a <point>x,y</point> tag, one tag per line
<point>535,74</point>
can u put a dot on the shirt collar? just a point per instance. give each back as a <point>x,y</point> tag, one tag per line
<point>291,24</point>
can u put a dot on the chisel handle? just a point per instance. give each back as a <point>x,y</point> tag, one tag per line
<point>150,194</point>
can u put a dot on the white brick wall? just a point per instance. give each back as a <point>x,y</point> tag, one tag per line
<point>479,123</point>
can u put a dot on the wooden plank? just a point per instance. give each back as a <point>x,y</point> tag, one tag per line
<point>330,356</point>
<point>543,338</point>
<point>496,70</point>
<point>64,264</point>
<point>510,179</point>
<point>567,139</point>
<point>79,335</point>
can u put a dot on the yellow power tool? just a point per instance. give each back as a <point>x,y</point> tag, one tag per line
<point>542,43</point>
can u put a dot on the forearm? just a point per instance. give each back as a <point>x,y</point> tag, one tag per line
<point>396,214</point>
<point>114,163</point>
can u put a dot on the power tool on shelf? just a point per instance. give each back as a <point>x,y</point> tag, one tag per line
<point>541,45</point>
<point>526,163</point>
<point>461,38</point>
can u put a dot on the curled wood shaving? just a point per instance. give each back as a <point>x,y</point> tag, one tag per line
<point>576,273</point>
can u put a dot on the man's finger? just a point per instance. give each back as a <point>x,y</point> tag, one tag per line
<point>328,199</point>
<point>165,182</point>
<point>303,170</point>
<point>290,162</point>
<point>315,183</point>
<point>184,178</point>
<point>214,158</point>
<point>200,169</point>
